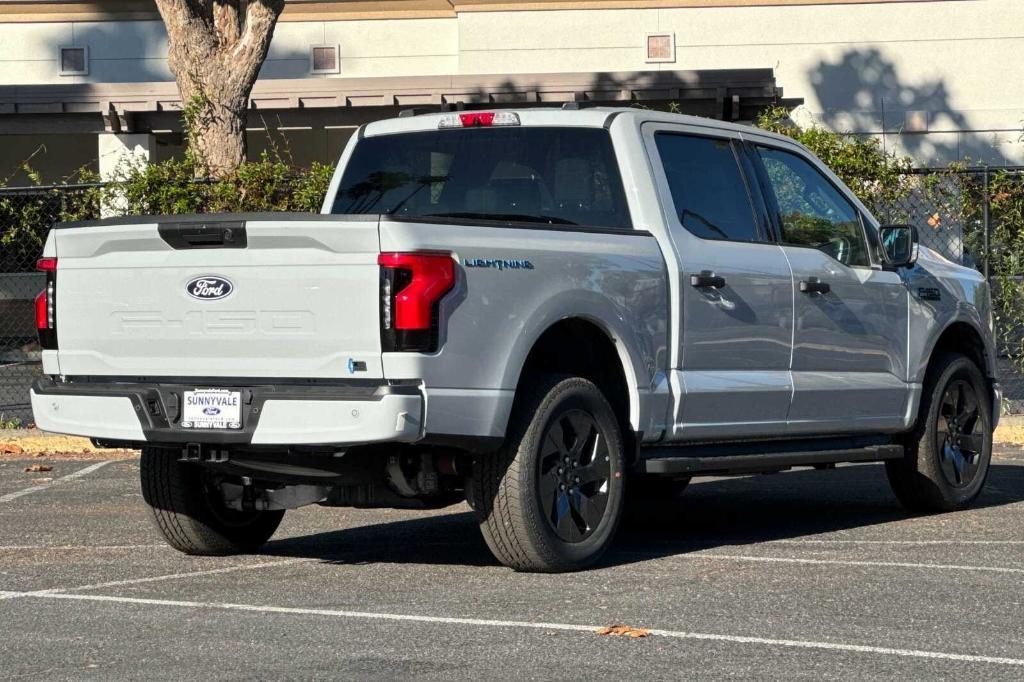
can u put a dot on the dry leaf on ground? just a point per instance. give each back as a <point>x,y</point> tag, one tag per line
<point>38,469</point>
<point>10,449</point>
<point>624,631</point>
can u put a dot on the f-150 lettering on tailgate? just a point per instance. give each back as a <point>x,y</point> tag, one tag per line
<point>216,322</point>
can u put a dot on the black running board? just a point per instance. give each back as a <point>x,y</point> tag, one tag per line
<point>692,461</point>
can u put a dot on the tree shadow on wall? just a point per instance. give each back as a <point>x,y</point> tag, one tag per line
<point>704,92</point>
<point>864,92</point>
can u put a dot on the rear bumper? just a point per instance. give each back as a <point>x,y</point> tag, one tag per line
<point>293,413</point>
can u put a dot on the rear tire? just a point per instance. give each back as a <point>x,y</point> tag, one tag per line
<point>189,514</point>
<point>948,454</point>
<point>551,498</point>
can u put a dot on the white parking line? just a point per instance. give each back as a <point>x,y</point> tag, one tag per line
<point>57,481</point>
<point>152,579</point>
<point>831,562</point>
<point>893,542</point>
<point>484,622</point>
<point>72,548</point>
<point>177,576</point>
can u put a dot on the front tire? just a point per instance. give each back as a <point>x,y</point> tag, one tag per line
<point>551,498</point>
<point>189,513</point>
<point>947,456</point>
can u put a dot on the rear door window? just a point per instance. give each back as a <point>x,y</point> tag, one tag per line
<point>529,175</point>
<point>708,189</point>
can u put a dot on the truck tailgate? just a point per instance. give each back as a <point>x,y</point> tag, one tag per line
<point>284,297</point>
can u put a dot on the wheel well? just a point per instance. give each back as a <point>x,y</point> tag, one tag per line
<point>961,337</point>
<point>581,348</point>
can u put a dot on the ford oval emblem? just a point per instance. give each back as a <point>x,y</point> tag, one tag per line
<point>209,288</point>
<point>211,411</point>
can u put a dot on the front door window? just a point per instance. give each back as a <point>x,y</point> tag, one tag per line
<point>812,212</point>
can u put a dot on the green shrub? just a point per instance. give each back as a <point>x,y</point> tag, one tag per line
<point>878,178</point>
<point>25,217</point>
<point>164,188</point>
<point>171,187</point>
<point>1006,262</point>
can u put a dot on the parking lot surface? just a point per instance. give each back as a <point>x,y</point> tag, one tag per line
<point>804,574</point>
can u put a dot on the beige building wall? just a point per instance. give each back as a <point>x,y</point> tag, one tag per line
<point>942,80</point>
<point>368,48</point>
<point>939,79</point>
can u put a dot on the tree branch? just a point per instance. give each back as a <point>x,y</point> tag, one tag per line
<point>251,48</point>
<point>190,36</point>
<point>175,13</point>
<point>227,21</point>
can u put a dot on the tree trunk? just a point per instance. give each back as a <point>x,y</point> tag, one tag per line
<point>218,140</point>
<point>215,51</point>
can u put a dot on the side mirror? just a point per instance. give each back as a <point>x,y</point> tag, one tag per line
<point>900,245</point>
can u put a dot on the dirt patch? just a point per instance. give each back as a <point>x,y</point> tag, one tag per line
<point>29,443</point>
<point>1010,431</point>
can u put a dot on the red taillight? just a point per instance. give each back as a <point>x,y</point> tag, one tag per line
<point>412,284</point>
<point>42,311</point>
<point>46,305</point>
<point>483,118</point>
<point>432,275</point>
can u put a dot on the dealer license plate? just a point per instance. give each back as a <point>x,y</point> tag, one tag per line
<point>211,408</point>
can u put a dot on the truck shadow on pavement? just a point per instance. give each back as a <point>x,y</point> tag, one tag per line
<point>711,513</point>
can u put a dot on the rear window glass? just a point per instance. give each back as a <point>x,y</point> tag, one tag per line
<point>559,176</point>
<point>707,187</point>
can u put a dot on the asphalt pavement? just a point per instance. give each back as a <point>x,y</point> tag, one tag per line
<point>799,575</point>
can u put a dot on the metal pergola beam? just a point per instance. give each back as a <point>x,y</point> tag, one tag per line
<point>139,107</point>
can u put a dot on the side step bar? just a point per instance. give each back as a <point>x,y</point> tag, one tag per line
<point>693,460</point>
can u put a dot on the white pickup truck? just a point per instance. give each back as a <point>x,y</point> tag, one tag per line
<point>539,311</point>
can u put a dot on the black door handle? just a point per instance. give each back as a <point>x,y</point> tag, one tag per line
<point>812,285</point>
<point>707,279</point>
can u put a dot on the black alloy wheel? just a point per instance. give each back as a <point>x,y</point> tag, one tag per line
<point>947,455</point>
<point>573,475</point>
<point>550,500</point>
<point>959,440</point>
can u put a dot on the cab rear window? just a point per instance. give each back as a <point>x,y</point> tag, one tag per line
<point>555,176</point>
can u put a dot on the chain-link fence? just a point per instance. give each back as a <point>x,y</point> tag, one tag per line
<point>948,209</point>
<point>967,215</point>
<point>952,210</point>
<point>25,217</point>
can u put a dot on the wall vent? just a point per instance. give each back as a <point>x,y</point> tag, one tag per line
<point>74,61</point>
<point>324,59</point>
<point>661,48</point>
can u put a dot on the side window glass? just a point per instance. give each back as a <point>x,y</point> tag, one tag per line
<point>707,187</point>
<point>812,212</point>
